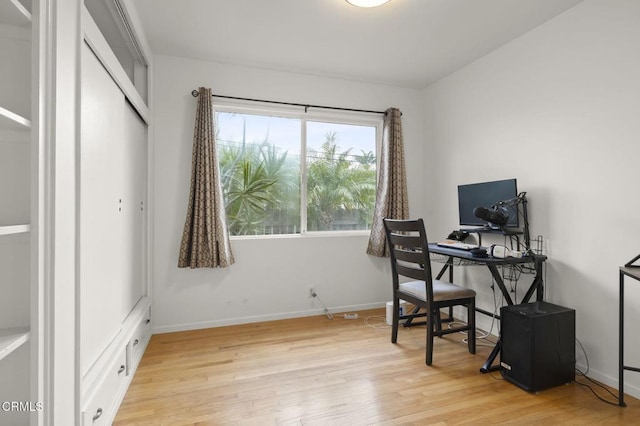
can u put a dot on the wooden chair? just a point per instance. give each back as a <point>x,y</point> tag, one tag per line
<point>409,252</point>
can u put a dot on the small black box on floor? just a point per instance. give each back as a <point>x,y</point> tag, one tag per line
<point>538,345</point>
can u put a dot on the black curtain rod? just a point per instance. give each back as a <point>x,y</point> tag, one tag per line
<point>195,94</point>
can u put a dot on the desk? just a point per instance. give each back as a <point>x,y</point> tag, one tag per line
<point>630,271</point>
<point>537,285</point>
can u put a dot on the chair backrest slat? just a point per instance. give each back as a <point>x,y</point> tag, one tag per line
<point>403,225</point>
<point>416,274</point>
<point>410,256</point>
<point>407,241</point>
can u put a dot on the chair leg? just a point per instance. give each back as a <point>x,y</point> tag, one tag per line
<point>395,320</point>
<point>436,316</point>
<point>430,327</point>
<point>471,322</point>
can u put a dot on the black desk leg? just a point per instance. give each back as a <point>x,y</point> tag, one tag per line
<point>540,285</point>
<point>536,287</point>
<point>449,266</point>
<point>499,281</point>
<point>621,402</point>
<point>488,366</point>
<point>409,321</point>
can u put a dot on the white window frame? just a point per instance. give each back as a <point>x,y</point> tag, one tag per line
<point>332,116</point>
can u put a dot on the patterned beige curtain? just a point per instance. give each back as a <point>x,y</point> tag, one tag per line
<point>205,239</point>
<point>391,200</point>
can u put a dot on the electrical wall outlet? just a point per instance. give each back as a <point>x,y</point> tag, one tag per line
<point>312,292</point>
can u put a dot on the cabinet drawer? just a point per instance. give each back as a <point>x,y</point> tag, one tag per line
<point>101,406</point>
<point>138,342</point>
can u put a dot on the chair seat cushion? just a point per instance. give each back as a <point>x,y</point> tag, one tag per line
<point>441,290</point>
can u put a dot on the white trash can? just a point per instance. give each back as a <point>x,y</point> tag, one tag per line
<point>402,311</point>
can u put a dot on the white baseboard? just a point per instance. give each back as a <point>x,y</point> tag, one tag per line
<point>263,318</point>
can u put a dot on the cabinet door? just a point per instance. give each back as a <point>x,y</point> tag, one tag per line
<point>134,208</point>
<point>102,124</point>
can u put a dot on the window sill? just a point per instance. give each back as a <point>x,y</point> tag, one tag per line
<point>316,234</point>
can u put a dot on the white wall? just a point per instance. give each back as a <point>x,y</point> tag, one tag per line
<point>558,109</point>
<point>272,276</point>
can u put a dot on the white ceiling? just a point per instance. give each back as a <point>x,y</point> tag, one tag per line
<point>408,43</point>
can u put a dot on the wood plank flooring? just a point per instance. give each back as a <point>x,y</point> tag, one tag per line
<point>316,371</point>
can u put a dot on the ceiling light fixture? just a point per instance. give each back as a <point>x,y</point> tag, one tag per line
<point>367,3</point>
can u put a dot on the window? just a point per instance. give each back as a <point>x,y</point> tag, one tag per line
<point>291,174</point>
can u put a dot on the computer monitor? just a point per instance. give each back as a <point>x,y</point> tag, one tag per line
<point>486,194</point>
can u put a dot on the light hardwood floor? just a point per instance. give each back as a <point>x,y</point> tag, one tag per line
<point>316,371</point>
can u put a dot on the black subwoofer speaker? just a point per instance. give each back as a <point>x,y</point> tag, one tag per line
<point>538,345</point>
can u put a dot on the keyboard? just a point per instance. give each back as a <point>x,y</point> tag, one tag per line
<point>457,245</point>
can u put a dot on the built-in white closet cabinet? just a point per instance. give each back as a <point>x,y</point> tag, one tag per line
<point>17,303</point>
<point>115,307</point>
<point>75,310</point>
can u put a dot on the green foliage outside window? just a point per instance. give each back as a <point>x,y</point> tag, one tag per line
<point>261,186</point>
<point>341,188</point>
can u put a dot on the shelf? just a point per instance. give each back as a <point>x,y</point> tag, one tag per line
<point>12,121</point>
<point>14,229</point>
<point>11,339</point>
<point>488,230</point>
<point>13,13</point>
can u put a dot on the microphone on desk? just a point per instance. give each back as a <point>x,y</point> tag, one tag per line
<point>495,217</point>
